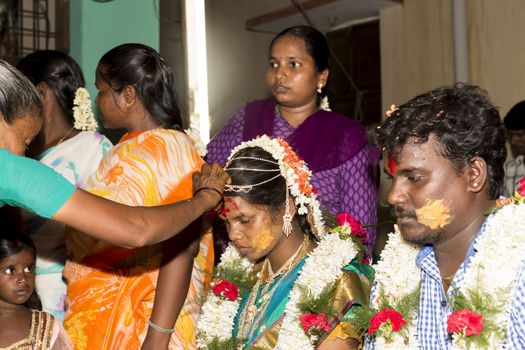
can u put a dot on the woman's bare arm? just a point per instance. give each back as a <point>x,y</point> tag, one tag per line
<point>139,226</point>
<point>173,284</point>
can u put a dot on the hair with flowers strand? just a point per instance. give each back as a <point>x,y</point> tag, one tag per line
<point>261,169</point>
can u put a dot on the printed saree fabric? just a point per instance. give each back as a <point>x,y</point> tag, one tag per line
<point>111,290</point>
<point>351,290</point>
<point>45,334</point>
<point>75,159</point>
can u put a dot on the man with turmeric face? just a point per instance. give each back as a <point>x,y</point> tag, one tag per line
<point>455,254</point>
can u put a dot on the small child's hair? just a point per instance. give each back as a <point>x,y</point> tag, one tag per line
<point>13,242</point>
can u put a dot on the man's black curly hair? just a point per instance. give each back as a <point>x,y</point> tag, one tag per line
<point>463,121</point>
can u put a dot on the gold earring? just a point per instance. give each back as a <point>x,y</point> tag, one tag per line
<point>287,217</point>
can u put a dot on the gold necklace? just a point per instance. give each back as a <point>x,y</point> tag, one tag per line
<point>64,137</point>
<point>251,314</point>
<point>286,266</point>
<point>447,278</point>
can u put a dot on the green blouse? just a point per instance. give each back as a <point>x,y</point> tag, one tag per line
<point>31,185</point>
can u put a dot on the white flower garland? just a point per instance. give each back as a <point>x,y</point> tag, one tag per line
<point>82,112</point>
<point>396,275</point>
<point>322,267</point>
<point>504,236</point>
<point>502,244</point>
<point>276,147</point>
<point>218,314</point>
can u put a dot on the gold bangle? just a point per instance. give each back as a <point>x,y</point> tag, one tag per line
<point>159,328</point>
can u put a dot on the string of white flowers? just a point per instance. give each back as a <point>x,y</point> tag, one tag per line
<point>82,112</point>
<point>396,276</point>
<point>397,273</point>
<point>218,314</point>
<point>502,244</point>
<point>325,105</point>
<point>276,147</point>
<point>321,268</point>
<point>194,135</point>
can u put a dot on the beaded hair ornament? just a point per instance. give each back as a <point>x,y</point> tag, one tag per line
<point>295,172</point>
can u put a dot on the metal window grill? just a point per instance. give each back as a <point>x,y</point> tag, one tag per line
<point>25,27</point>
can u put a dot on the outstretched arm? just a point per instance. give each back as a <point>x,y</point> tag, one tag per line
<point>140,226</point>
<point>27,183</point>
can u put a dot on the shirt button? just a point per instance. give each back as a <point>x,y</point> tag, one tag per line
<point>443,303</point>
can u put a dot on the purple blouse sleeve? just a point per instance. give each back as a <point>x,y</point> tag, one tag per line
<point>230,136</point>
<point>351,187</point>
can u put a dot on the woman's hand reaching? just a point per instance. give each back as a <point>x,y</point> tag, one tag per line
<point>209,184</point>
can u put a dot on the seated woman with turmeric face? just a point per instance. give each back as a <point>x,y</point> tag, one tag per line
<point>283,282</point>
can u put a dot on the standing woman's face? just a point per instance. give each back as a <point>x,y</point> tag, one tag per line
<point>15,137</point>
<point>292,76</point>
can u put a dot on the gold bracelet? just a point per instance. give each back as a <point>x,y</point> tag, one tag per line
<point>159,328</point>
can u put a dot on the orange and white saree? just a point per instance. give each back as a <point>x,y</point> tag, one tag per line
<point>111,289</point>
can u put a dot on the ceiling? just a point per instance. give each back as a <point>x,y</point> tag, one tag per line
<point>325,15</point>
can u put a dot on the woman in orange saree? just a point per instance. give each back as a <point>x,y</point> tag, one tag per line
<point>146,298</point>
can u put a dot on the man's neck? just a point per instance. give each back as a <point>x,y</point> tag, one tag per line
<point>450,253</point>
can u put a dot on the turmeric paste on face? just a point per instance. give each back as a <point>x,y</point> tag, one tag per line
<point>262,240</point>
<point>435,214</point>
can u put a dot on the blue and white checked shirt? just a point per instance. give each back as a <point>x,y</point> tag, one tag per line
<point>434,308</point>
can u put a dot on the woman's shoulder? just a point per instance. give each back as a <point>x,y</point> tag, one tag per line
<point>168,135</point>
<point>175,141</point>
<point>344,122</point>
<point>96,136</point>
<point>89,139</point>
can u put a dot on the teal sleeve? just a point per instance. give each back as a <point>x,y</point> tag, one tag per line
<point>31,185</point>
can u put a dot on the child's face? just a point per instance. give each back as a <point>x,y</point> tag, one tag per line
<point>17,279</point>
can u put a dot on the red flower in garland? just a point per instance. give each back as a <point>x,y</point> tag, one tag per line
<point>356,227</point>
<point>226,289</point>
<point>387,321</point>
<point>521,187</point>
<point>465,322</point>
<point>319,321</point>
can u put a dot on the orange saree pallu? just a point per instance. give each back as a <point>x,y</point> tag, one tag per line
<point>111,290</point>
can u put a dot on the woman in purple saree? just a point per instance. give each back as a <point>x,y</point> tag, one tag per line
<point>335,147</point>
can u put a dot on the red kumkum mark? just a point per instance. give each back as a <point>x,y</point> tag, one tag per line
<point>392,166</point>
<point>224,212</point>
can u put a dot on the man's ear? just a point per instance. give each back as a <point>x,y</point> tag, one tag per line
<point>477,175</point>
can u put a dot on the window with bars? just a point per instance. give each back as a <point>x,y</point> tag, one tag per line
<point>30,25</point>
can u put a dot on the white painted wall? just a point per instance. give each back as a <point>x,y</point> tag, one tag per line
<point>237,58</point>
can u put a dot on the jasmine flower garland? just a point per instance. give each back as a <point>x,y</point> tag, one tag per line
<point>321,269</point>
<point>82,112</point>
<point>397,276</point>
<point>504,237</point>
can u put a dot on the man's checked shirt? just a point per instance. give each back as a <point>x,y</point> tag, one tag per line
<point>434,307</point>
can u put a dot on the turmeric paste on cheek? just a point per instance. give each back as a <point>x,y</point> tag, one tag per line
<point>262,240</point>
<point>434,214</point>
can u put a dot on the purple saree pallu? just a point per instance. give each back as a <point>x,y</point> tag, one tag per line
<point>324,140</point>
